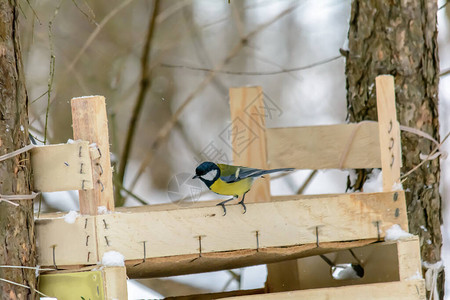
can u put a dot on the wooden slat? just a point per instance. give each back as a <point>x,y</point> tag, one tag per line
<point>107,283</point>
<point>389,132</point>
<point>71,286</point>
<point>73,243</point>
<point>323,147</point>
<point>90,124</point>
<point>397,290</point>
<point>248,137</point>
<point>175,232</point>
<point>115,283</point>
<point>409,259</point>
<point>62,167</point>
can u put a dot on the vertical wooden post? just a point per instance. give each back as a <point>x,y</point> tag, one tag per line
<point>248,137</point>
<point>115,283</point>
<point>389,131</point>
<point>90,124</point>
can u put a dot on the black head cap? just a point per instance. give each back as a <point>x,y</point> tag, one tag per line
<point>204,168</point>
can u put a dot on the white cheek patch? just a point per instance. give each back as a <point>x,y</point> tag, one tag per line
<point>210,175</point>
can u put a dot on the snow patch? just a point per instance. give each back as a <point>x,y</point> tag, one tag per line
<point>113,259</point>
<point>397,186</point>
<point>102,210</point>
<point>85,97</point>
<point>395,232</point>
<point>416,276</point>
<point>71,217</point>
<point>374,183</point>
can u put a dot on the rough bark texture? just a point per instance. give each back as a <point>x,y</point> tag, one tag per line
<point>17,242</point>
<point>400,38</point>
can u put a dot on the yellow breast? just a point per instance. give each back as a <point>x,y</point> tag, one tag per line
<point>235,188</point>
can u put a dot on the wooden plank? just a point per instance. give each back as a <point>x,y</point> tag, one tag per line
<point>62,167</point>
<point>397,290</point>
<point>382,262</point>
<point>73,286</point>
<point>107,283</point>
<point>191,263</point>
<point>115,283</point>
<point>248,137</point>
<point>175,232</point>
<point>340,218</point>
<point>90,123</point>
<point>389,132</point>
<point>323,147</point>
<point>62,243</point>
<point>409,259</point>
<point>220,295</point>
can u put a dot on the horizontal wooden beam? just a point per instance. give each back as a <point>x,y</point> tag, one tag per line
<point>61,243</point>
<point>200,230</point>
<point>62,167</point>
<point>396,290</point>
<point>343,146</point>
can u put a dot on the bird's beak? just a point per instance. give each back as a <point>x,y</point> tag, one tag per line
<point>195,176</point>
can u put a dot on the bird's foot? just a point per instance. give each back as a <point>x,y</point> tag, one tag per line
<point>243,205</point>
<point>223,206</point>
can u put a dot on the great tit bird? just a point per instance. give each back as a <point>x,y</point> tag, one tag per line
<point>230,180</point>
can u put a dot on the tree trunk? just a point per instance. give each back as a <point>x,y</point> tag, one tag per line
<point>17,246</point>
<point>400,38</point>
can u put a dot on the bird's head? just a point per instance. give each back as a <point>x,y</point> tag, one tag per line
<point>207,171</point>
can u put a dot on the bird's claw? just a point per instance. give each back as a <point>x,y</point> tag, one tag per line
<point>224,209</point>
<point>243,205</point>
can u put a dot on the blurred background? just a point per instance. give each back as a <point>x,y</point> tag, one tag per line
<point>174,80</point>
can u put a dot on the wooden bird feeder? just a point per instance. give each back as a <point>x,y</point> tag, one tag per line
<point>165,240</point>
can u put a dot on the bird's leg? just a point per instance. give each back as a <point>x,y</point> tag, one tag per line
<point>223,204</point>
<point>242,203</point>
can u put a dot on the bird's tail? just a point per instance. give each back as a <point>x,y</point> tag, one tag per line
<point>264,172</point>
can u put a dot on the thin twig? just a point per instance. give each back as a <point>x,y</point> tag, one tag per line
<point>143,89</point>
<point>22,285</point>
<point>446,72</point>
<point>51,74</point>
<point>307,182</point>
<point>45,93</point>
<point>34,12</point>
<point>254,73</point>
<point>120,187</point>
<point>425,160</point>
<point>94,34</point>
<point>165,130</point>
<point>91,19</point>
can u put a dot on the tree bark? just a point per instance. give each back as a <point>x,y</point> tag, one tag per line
<point>17,246</point>
<point>400,38</point>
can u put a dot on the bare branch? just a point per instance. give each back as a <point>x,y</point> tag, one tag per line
<point>165,130</point>
<point>143,89</point>
<point>322,62</point>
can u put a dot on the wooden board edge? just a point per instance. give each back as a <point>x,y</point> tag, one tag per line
<point>396,290</point>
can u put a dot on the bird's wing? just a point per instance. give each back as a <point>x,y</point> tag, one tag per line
<point>235,173</point>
